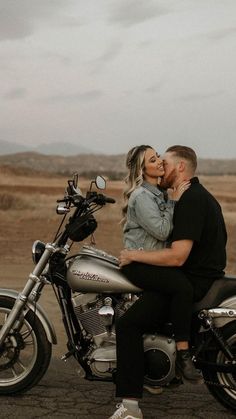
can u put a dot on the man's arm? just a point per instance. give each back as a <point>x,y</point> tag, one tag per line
<point>176,255</point>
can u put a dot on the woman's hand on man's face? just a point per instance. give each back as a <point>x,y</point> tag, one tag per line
<point>178,191</point>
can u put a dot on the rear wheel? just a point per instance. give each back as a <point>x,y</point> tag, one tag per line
<point>225,395</point>
<point>25,354</point>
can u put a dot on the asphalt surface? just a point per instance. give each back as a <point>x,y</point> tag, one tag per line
<point>63,394</point>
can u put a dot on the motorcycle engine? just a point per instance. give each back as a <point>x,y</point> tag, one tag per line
<point>96,314</point>
<point>100,327</point>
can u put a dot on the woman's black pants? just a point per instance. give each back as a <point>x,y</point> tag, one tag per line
<point>168,296</point>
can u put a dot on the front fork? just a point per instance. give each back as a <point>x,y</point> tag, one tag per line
<point>23,297</point>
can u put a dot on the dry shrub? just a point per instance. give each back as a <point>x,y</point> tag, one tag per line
<point>10,201</point>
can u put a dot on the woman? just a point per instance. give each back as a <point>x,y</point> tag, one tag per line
<point>147,225</point>
<point>147,212</point>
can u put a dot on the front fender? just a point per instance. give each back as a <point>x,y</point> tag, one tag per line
<point>39,312</point>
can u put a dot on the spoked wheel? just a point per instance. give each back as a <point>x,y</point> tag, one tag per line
<point>223,386</point>
<point>25,354</point>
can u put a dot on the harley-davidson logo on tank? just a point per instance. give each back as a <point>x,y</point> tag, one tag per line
<point>89,277</point>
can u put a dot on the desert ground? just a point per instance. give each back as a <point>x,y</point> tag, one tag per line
<point>28,212</point>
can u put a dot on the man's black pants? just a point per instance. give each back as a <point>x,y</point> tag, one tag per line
<point>168,296</point>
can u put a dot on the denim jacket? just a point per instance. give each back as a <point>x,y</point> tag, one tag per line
<point>149,219</point>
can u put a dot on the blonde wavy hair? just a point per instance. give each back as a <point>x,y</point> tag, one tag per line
<point>135,165</point>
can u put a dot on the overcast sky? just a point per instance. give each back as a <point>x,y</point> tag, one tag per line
<point>110,74</point>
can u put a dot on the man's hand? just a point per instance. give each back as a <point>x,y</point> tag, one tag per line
<point>176,255</point>
<point>125,257</point>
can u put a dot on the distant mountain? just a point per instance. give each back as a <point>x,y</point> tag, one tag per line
<point>84,164</point>
<point>89,165</point>
<point>60,149</point>
<point>9,148</point>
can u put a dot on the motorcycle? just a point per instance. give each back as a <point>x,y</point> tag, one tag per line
<point>93,293</point>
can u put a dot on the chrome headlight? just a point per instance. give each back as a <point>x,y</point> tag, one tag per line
<point>37,251</point>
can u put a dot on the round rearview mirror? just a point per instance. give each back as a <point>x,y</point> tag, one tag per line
<point>100,182</point>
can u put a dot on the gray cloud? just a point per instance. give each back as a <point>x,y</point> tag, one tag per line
<point>73,22</point>
<point>145,44</point>
<point>61,59</point>
<point>132,12</point>
<point>197,97</point>
<point>17,93</point>
<point>87,96</point>
<point>111,53</point>
<point>222,33</point>
<point>18,18</point>
<point>108,56</point>
<point>154,88</point>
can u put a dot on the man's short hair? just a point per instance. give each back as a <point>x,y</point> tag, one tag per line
<point>184,152</point>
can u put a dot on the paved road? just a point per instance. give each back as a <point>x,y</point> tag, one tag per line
<point>62,394</point>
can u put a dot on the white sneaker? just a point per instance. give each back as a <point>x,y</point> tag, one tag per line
<point>123,413</point>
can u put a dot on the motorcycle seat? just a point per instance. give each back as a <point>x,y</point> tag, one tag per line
<point>220,290</point>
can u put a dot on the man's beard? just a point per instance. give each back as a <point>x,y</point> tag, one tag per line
<point>169,181</point>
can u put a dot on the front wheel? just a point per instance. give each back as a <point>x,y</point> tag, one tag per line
<point>25,354</point>
<point>223,385</point>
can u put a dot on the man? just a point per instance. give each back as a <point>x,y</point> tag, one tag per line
<point>197,247</point>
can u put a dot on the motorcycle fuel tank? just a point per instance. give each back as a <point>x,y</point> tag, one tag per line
<point>93,270</point>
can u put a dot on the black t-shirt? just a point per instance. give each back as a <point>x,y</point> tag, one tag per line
<point>198,217</point>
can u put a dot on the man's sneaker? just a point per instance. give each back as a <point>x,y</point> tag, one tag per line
<point>123,413</point>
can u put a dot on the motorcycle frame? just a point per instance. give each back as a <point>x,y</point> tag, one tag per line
<point>78,341</point>
<point>212,332</point>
